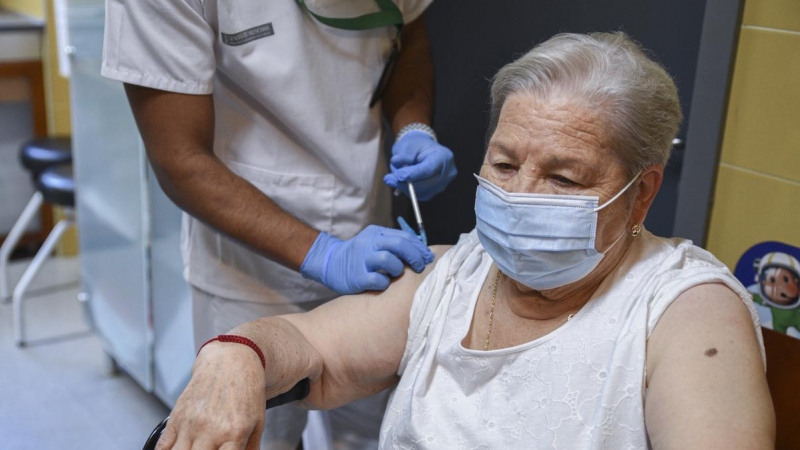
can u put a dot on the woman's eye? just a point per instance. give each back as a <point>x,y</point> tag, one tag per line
<point>503,167</point>
<point>563,181</point>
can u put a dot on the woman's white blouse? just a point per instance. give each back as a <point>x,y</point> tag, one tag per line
<point>578,387</point>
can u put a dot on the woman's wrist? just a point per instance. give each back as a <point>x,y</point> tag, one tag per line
<point>230,358</point>
<point>237,339</point>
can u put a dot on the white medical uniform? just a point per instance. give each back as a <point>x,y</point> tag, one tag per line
<point>291,101</point>
<point>581,386</point>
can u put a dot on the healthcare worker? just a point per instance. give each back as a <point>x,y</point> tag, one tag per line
<point>262,120</point>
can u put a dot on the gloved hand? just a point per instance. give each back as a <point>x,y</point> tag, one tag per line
<point>418,158</point>
<point>365,262</point>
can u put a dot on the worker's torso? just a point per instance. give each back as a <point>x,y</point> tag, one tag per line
<point>291,99</point>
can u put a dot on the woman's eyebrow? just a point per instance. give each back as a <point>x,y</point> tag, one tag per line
<point>550,161</point>
<point>564,161</point>
<point>506,150</point>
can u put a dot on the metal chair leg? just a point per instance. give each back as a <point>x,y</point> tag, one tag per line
<point>30,272</point>
<point>13,238</point>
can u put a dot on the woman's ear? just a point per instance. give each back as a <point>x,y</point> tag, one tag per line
<point>647,188</point>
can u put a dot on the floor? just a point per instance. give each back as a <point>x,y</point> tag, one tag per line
<point>59,391</point>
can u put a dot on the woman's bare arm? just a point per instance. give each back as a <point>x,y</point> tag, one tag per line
<point>349,348</point>
<point>707,386</point>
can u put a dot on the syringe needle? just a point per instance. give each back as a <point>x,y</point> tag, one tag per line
<point>417,215</point>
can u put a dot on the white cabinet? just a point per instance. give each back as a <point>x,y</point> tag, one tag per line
<point>131,267</point>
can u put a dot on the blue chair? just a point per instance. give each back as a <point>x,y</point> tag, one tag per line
<point>35,155</point>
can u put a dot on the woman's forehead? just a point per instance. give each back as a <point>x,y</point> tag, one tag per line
<point>563,129</point>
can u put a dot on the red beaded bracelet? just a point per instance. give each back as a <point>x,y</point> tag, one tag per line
<point>238,340</point>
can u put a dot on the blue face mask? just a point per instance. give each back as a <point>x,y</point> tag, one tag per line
<point>542,241</point>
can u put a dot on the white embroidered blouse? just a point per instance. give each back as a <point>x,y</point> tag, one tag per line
<point>578,387</point>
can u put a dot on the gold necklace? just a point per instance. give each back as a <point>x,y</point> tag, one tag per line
<point>491,311</point>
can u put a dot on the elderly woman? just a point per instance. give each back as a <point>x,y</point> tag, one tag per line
<point>559,322</point>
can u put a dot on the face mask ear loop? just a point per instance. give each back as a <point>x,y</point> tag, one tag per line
<point>614,243</point>
<point>618,193</point>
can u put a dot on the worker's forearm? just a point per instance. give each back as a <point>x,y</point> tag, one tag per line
<point>178,133</point>
<point>409,95</point>
<point>203,186</point>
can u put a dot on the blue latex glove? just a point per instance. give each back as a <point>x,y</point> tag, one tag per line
<point>408,229</point>
<point>366,262</point>
<point>418,158</point>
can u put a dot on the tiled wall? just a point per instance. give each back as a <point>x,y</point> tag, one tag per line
<point>34,8</point>
<point>59,119</point>
<point>57,87</point>
<point>757,196</point>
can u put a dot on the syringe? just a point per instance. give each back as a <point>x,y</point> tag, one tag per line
<point>417,215</point>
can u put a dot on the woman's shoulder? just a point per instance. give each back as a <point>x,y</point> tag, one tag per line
<point>454,258</point>
<point>667,267</point>
<point>452,261</point>
<point>456,268</point>
<point>679,264</point>
<point>678,270</point>
<point>660,255</point>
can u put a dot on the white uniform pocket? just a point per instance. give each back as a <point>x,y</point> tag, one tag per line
<point>307,197</point>
<point>227,268</point>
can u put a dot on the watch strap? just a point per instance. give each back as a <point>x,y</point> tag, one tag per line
<point>416,126</point>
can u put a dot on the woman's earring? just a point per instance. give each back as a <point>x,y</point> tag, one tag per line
<point>636,230</point>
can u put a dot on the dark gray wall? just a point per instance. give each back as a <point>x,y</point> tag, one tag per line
<point>472,39</point>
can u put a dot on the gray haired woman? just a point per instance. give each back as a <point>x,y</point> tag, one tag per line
<point>559,322</point>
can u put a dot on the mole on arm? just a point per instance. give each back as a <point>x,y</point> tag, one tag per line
<point>711,352</point>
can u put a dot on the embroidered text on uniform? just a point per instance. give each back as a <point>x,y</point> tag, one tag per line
<point>249,35</point>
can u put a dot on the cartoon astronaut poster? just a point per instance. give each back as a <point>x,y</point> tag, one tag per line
<point>771,272</point>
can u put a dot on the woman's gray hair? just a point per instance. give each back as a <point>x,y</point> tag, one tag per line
<point>608,71</point>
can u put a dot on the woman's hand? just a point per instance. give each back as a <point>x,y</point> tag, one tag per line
<point>223,405</point>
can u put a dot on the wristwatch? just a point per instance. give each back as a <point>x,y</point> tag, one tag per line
<point>416,126</point>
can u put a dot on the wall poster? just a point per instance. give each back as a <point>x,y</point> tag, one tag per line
<point>771,272</point>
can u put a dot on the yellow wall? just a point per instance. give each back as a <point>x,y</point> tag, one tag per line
<point>757,196</point>
<point>58,114</point>
<point>56,86</point>
<point>34,8</point>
